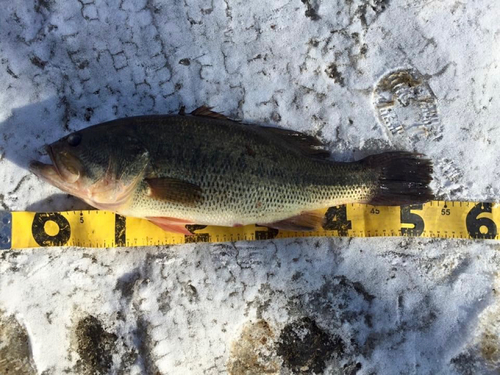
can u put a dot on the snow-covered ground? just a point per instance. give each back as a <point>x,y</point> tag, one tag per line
<point>353,306</point>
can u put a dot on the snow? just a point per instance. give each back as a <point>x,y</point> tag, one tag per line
<point>396,305</point>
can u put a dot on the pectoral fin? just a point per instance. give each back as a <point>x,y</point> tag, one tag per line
<point>174,190</point>
<point>306,221</point>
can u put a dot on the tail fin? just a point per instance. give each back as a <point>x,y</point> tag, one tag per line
<point>404,178</point>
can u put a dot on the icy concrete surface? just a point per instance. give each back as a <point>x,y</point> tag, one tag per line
<point>334,306</point>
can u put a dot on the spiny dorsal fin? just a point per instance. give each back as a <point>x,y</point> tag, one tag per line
<point>205,111</point>
<point>307,144</point>
<point>174,190</point>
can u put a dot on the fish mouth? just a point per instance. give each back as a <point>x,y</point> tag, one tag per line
<point>50,172</point>
<point>47,172</point>
<point>61,173</point>
<point>52,156</point>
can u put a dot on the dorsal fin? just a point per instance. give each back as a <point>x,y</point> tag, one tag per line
<point>205,111</point>
<point>307,144</point>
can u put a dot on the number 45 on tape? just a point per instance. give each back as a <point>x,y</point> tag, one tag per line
<point>473,220</point>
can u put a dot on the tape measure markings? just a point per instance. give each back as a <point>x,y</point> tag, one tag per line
<point>94,228</point>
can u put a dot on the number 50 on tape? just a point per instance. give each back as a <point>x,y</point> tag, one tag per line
<point>473,220</point>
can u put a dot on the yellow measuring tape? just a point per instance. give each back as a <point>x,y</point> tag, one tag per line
<point>440,219</point>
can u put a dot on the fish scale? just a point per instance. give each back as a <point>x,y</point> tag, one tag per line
<point>269,184</point>
<point>206,169</point>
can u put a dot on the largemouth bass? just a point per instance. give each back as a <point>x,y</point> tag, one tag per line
<point>206,169</point>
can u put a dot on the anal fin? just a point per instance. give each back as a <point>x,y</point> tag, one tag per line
<point>170,224</point>
<point>305,222</point>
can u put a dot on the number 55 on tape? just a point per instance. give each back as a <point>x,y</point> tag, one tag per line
<point>473,220</point>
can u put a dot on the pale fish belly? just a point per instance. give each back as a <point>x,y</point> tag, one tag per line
<point>258,204</point>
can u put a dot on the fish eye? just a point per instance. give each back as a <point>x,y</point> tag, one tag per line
<point>74,139</point>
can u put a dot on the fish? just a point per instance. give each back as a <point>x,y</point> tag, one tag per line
<point>207,169</point>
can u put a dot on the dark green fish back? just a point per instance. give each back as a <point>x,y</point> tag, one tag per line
<point>221,172</point>
<point>245,172</point>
